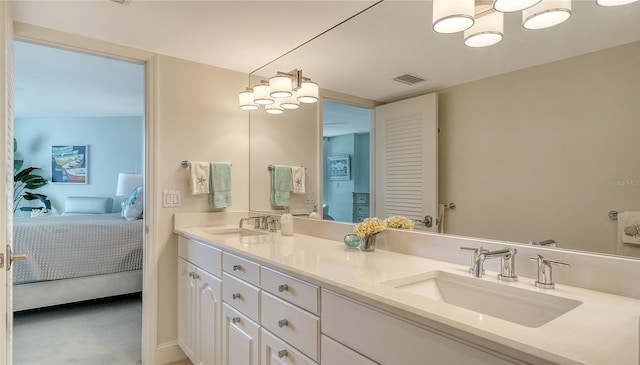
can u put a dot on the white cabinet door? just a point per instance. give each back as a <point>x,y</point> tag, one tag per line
<point>208,308</point>
<point>186,309</point>
<point>277,352</point>
<point>240,338</point>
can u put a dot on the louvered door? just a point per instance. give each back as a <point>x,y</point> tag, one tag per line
<point>406,158</point>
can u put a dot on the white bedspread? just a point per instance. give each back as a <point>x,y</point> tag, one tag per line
<point>75,246</point>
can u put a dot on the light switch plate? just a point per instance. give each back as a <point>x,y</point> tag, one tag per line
<point>170,198</point>
<point>310,198</point>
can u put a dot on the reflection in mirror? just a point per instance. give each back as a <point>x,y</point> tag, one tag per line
<point>538,134</point>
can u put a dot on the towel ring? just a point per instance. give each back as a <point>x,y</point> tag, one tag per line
<point>613,215</point>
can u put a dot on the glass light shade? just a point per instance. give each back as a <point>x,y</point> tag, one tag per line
<point>308,92</point>
<point>614,2</point>
<point>546,14</point>
<point>128,182</point>
<point>509,6</point>
<point>245,99</point>
<point>280,86</point>
<point>452,16</point>
<point>262,95</point>
<point>487,30</point>
<point>274,108</point>
<point>290,102</point>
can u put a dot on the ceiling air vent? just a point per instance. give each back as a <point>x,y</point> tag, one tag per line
<point>409,79</point>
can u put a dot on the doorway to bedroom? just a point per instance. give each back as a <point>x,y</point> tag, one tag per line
<point>79,129</point>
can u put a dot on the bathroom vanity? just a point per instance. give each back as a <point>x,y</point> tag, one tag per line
<point>257,297</point>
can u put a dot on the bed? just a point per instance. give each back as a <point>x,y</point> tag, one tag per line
<point>76,257</point>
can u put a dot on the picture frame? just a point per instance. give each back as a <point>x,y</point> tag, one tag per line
<point>69,164</point>
<point>339,167</point>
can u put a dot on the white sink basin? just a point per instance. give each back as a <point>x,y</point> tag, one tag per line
<point>525,307</point>
<point>242,232</point>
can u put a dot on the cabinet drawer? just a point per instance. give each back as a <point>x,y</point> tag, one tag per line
<point>362,210</point>
<point>335,353</point>
<point>275,351</point>
<point>241,295</point>
<point>296,326</point>
<point>389,340</point>
<point>291,289</point>
<point>242,268</point>
<point>207,257</point>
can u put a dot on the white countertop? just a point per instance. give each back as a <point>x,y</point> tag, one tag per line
<point>604,329</point>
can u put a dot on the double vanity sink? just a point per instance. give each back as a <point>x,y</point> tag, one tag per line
<point>563,325</point>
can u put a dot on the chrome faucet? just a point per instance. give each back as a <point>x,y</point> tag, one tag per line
<point>256,222</point>
<point>507,263</point>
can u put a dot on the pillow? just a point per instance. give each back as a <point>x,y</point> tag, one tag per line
<point>75,205</point>
<point>132,207</point>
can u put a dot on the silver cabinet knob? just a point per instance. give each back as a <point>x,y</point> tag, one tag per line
<point>235,319</point>
<point>237,267</point>
<point>283,322</point>
<point>283,353</point>
<point>283,287</point>
<point>196,276</point>
<point>235,295</point>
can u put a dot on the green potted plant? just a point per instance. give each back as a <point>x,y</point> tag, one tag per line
<point>25,180</point>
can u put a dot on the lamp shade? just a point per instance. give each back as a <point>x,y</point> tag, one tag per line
<point>614,2</point>
<point>127,182</point>
<point>546,14</point>
<point>509,6</point>
<point>262,95</point>
<point>245,99</point>
<point>452,16</point>
<point>280,86</point>
<point>486,31</point>
<point>274,108</point>
<point>308,92</point>
<point>290,102</point>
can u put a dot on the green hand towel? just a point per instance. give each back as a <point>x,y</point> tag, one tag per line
<point>280,185</point>
<point>220,185</point>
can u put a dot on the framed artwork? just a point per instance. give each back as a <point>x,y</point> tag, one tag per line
<point>69,164</point>
<point>339,168</point>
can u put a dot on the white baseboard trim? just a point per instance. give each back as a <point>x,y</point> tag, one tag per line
<point>169,352</point>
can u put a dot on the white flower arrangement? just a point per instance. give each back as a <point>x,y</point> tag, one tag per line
<point>369,227</point>
<point>398,221</point>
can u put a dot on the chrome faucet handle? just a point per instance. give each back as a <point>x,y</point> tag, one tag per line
<point>545,277</point>
<point>476,252</point>
<point>272,223</point>
<point>264,222</point>
<point>508,266</point>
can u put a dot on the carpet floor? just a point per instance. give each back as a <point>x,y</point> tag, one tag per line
<point>100,332</point>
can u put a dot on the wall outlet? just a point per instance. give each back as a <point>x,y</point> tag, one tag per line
<point>310,198</point>
<point>170,198</point>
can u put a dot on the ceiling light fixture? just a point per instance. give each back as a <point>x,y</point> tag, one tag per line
<point>282,91</point>
<point>509,6</point>
<point>453,16</point>
<point>487,30</point>
<point>546,14</point>
<point>614,2</point>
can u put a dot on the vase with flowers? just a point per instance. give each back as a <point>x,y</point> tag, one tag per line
<point>368,229</point>
<point>399,221</point>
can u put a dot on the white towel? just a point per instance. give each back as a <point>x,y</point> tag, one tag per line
<point>628,243</point>
<point>199,173</point>
<point>297,179</point>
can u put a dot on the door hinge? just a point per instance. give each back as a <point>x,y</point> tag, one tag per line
<point>1,260</point>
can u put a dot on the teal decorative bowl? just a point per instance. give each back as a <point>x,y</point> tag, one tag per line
<point>352,240</point>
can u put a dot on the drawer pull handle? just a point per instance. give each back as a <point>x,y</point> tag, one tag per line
<point>235,295</point>
<point>283,322</point>
<point>237,267</point>
<point>196,276</point>
<point>283,287</point>
<point>283,353</point>
<point>235,319</point>
<point>191,274</point>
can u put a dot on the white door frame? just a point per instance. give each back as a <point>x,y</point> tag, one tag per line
<point>74,42</point>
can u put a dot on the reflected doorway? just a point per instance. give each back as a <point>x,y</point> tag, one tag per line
<point>346,136</point>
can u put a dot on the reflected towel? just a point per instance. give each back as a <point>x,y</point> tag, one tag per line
<point>220,196</point>
<point>280,185</point>
<point>297,179</point>
<point>628,243</point>
<point>199,177</point>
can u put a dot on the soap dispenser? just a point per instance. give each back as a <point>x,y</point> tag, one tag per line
<point>315,214</point>
<point>286,223</point>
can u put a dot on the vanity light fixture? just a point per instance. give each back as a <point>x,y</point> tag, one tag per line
<point>285,90</point>
<point>453,16</point>
<point>546,14</point>
<point>487,30</point>
<point>614,2</point>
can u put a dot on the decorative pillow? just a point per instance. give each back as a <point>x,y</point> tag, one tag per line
<point>132,207</point>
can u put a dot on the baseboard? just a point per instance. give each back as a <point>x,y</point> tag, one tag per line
<point>169,352</point>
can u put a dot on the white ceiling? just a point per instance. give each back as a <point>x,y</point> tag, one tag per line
<point>359,57</point>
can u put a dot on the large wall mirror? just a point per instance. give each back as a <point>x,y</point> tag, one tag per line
<point>539,134</point>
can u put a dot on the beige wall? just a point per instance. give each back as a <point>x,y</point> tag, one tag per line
<point>198,120</point>
<point>544,152</point>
